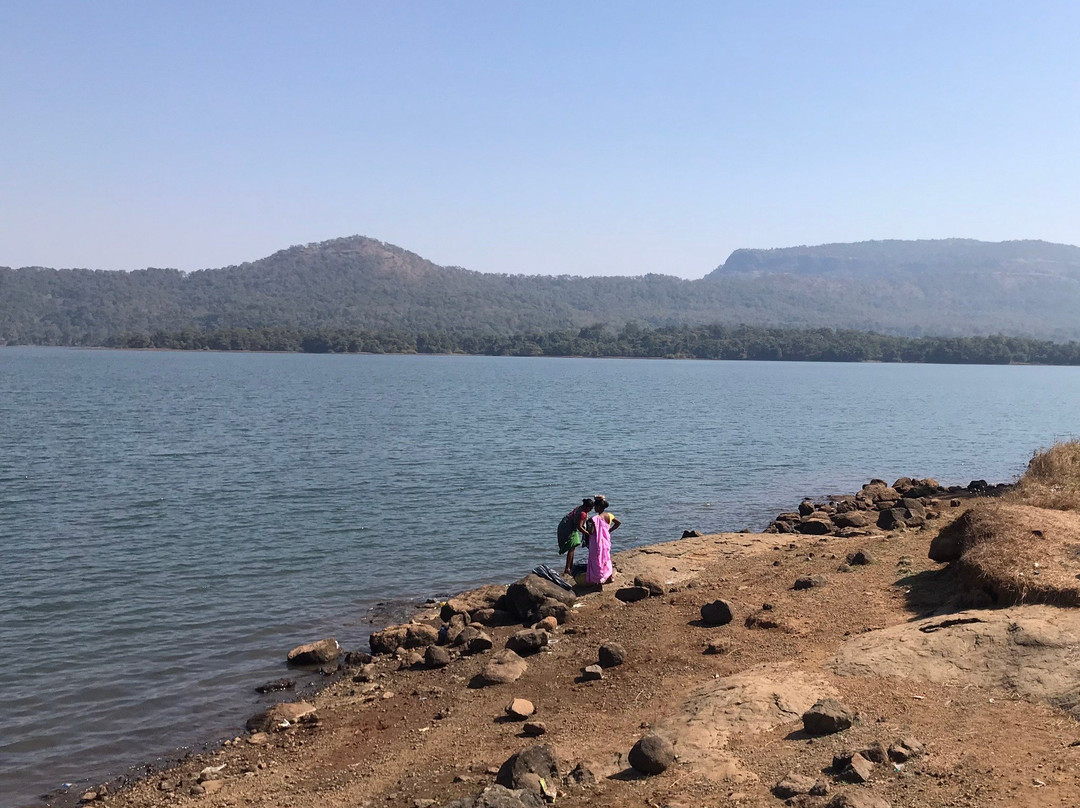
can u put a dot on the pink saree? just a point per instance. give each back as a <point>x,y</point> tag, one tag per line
<point>599,569</point>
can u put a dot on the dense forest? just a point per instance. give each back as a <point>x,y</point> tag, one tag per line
<point>909,288</point>
<point>672,342</point>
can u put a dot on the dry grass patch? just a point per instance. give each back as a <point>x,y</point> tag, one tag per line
<point>1020,554</point>
<point>1052,479</point>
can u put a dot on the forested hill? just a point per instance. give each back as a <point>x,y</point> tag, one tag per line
<point>945,288</point>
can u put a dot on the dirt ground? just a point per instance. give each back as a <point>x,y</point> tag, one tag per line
<point>416,735</point>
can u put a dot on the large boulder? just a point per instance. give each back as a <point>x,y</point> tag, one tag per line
<point>851,519</point>
<point>315,653</point>
<point>538,760</point>
<point>505,667</point>
<point>526,596</point>
<point>485,597</point>
<point>408,635</point>
<point>815,526</point>
<point>652,754</point>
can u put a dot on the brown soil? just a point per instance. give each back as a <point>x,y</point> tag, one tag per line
<point>734,716</point>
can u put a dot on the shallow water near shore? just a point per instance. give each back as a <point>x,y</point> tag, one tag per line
<point>172,523</point>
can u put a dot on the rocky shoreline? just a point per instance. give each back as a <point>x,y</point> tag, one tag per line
<point>446,669</point>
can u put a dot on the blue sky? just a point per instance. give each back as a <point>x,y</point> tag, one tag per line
<point>554,137</point>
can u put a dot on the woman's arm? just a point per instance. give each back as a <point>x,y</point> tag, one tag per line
<point>615,522</point>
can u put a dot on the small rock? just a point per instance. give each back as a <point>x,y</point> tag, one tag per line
<point>860,557</point>
<point>539,760</point>
<point>717,613</point>
<point>611,655</point>
<point>809,582</point>
<point>875,753</point>
<point>258,739</point>
<point>581,776</point>
<point>720,647</point>
<point>548,624</point>
<point>820,788</point>
<point>210,786</point>
<point>527,641</point>
<point>826,717</point>
<point>472,640</point>
<point>856,798</point>
<point>88,796</point>
<point>534,729</point>
<point>652,754</point>
<point>520,709</point>
<point>168,785</point>
<point>315,653</point>
<point>858,770</point>
<point>436,657</point>
<point>592,673</point>
<point>276,685</point>
<point>690,534</point>
<point>792,785</point>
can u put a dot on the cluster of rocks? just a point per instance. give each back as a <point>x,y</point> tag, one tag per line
<point>852,765</point>
<point>908,502</point>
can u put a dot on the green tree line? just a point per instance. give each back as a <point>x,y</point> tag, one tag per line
<point>672,342</point>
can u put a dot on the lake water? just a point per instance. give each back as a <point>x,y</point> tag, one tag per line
<point>172,523</point>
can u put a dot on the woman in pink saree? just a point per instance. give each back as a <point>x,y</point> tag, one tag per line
<point>600,570</point>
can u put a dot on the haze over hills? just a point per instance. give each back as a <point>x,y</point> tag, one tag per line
<point>950,287</point>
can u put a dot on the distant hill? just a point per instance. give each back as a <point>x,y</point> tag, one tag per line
<point>950,287</point>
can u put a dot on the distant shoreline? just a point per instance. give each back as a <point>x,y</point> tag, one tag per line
<point>732,343</point>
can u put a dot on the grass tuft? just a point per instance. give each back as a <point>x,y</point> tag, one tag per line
<point>1052,479</point>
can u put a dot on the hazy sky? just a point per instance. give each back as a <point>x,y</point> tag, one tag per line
<point>545,137</point>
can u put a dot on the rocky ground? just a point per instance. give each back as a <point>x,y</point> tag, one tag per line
<point>831,664</point>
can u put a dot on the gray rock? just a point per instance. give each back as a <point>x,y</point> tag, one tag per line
<point>527,595</point>
<point>315,653</point>
<point>809,582</point>
<point>815,526</point>
<point>652,754</point>
<point>826,717</point>
<point>581,776</point>
<point>498,796</point>
<point>538,759</point>
<point>534,729</point>
<point>717,613</point>
<point>655,585</point>
<point>792,785</point>
<point>855,798</point>
<point>555,609</point>
<point>851,519</point>
<point>858,770</point>
<point>528,641</point>
<point>436,657</point>
<point>473,641</point>
<point>611,655</point>
<point>591,673</point>
<point>409,635</point>
<point>505,667</point>
<point>860,557</point>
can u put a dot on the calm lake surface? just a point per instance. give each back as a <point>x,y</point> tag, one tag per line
<point>172,523</point>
